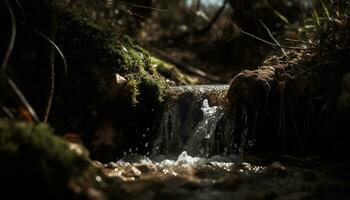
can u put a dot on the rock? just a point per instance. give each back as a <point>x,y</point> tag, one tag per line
<point>251,89</point>
<point>146,168</point>
<point>97,164</point>
<point>132,172</point>
<point>111,172</point>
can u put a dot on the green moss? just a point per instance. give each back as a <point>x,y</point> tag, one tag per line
<point>92,95</point>
<point>35,163</point>
<point>90,46</point>
<point>170,72</point>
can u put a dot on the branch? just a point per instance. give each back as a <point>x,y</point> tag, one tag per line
<point>215,18</point>
<point>184,66</point>
<point>273,38</point>
<point>240,30</point>
<point>13,37</point>
<point>22,98</point>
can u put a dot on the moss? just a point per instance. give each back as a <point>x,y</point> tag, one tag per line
<point>35,163</point>
<point>91,94</point>
<point>170,72</point>
<point>86,43</point>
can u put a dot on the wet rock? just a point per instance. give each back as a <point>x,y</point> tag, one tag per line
<point>112,172</point>
<point>132,172</point>
<point>146,168</point>
<point>112,165</point>
<point>98,164</point>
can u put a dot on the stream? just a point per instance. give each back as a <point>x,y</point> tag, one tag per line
<point>200,154</point>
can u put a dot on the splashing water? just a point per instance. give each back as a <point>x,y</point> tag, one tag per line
<point>190,123</point>
<point>196,121</point>
<point>202,139</point>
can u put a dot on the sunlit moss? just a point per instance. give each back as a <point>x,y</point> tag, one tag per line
<point>170,72</point>
<point>89,45</point>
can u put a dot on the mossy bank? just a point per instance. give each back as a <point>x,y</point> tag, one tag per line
<point>36,163</point>
<point>93,100</point>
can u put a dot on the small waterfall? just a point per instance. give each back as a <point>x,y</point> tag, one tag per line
<point>195,121</point>
<point>202,140</point>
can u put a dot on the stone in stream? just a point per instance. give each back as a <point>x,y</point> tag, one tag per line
<point>251,89</point>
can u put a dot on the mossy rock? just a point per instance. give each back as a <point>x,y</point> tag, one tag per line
<point>91,94</point>
<point>96,49</point>
<point>37,164</point>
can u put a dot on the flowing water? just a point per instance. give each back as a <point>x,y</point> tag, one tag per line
<point>194,121</point>
<point>198,154</point>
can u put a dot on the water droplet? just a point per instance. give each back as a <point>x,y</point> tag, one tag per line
<point>144,135</point>
<point>146,145</point>
<point>98,178</point>
<point>130,150</point>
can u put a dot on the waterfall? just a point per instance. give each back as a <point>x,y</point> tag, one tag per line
<point>203,139</point>
<point>195,121</point>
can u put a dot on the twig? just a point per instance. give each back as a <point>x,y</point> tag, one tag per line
<point>21,9</point>
<point>51,91</point>
<point>13,37</point>
<point>273,38</point>
<point>301,41</point>
<point>52,43</point>
<point>214,19</point>
<point>267,42</point>
<point>7,112</point>
<point>141,6</point>
<point>184,66</point>
<point>22,98</point>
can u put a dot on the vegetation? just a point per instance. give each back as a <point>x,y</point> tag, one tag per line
<point>36,163</point>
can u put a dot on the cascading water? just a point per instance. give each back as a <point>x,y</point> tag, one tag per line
<point>195,121</point>
<point>203,138</point>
